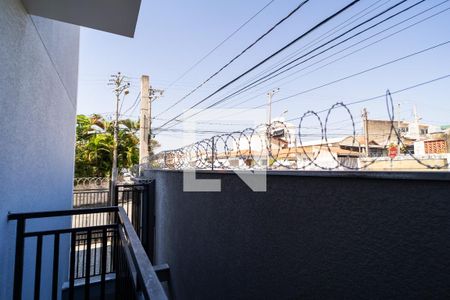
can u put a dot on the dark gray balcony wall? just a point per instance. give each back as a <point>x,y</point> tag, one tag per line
<point>307,237</point>
<point>38,79</point>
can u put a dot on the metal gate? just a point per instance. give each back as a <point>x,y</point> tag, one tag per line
<point>137,201</point>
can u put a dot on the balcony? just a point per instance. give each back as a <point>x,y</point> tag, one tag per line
<point>106,259</point>
<point>320,235</point>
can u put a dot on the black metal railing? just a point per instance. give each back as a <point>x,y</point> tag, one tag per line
<point>137,201</point>
<point>112,247</point>
<point>132,259</point>
<point>92,198</point>
<point>92,244</point>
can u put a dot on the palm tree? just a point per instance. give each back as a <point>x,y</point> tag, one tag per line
<point>94,146</point>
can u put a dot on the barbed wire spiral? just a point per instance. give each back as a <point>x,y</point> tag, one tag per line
<point>281,146</point>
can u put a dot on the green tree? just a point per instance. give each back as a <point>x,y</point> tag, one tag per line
<point>95,144</point>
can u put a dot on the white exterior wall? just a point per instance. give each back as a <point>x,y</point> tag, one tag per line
<point>38,79</point>
<point>419,148</point>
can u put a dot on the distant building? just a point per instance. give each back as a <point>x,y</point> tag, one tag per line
<point>287,152</point>
<point>386,132</point>
<point>382,131</point>
<point>431,146</point>
<point>422,147</point>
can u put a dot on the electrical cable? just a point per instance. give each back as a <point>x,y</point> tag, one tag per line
<point>384,95</point>
<point>322,37</point>
<point>362,72</point>
<point>219,45</point>
<point>357,50</point>
<point>134,105</point>
<point>237,56</point>
<point>265,79</point>
<point>326,20</point>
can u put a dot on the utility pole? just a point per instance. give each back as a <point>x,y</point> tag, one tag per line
<point>120,86</point>
<point>154,94</point>
<point>417,118</point>
<point>269,123</point>
<point>148,94</point>
<point>366,130</point>
<point>269,105</point>
<point>144,120</point>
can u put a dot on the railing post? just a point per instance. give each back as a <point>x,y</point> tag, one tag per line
<point>116,195</point>
<point>103,263</point>
<point>73,239</point>
<point>87,272</point>
<point>118,262</point>
<point>55,267</point>
<point>111,194</point>
<point>37,270</point>
<point>148,220</point>
<point>18,264</point>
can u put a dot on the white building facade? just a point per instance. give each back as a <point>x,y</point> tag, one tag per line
<point>39,78</point>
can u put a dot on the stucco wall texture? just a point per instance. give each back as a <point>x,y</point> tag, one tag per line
<point>38,79</point>
<point>307,237</point>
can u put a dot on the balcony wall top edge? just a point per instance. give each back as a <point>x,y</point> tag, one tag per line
<point>387,175</point>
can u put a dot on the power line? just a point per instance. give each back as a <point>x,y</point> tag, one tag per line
<point>192,131</point>
<point>403,21</point>
<point>252,85</point>
<point>209,122</point>
<point>219,45</point>
<point>352,75</point>
<point>357,50</point>
<point>326,20</point>
<point>121,103</point>
<point>381,96</point>
<point>312,43</point>
<point>134,105</point>
<point>322,37</point>
<point>272,74</point>
<point>237,56</point>
<point>384,95</point>
<point>362,72</point>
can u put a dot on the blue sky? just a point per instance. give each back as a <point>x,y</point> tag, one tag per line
<point>173,35</point>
